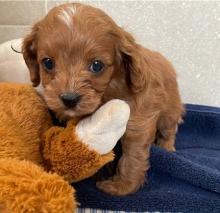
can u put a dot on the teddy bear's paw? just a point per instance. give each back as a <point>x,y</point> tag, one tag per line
<point>104,128</point>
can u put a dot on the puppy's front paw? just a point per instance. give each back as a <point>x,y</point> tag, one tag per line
<point>117,186</point>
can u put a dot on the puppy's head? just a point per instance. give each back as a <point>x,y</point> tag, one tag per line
<point>75,52</point>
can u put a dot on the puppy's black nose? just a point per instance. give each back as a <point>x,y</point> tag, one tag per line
<point>70,99</point>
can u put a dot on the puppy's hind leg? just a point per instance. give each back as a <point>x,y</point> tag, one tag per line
<point>166,132</point>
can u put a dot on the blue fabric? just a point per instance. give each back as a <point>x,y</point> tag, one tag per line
<point>187,180</point>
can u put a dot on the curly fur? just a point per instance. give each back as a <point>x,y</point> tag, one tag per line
<point>143,78</point>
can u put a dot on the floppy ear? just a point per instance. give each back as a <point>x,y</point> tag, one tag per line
<point>133,60</point>
<point>29,50</point>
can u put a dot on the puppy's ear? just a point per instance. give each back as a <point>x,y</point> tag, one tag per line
<point>29,50</point>
<point>133,60</point>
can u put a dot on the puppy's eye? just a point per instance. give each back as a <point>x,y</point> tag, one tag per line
<point>48,63</point>
<point>96,66</point>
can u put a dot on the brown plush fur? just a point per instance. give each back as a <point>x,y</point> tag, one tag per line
<point>24,185</point>
<point>73,35</point>
<point>68,157</point>
<point>23,118</point>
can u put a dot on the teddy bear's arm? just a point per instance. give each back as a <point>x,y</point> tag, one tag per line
<point>66,155</point>
<point>79,150</point>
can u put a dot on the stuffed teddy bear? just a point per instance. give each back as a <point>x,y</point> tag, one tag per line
<point>39,160</point>
<point>12,64</point>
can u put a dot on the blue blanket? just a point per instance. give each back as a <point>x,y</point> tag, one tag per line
<point>187,180</point>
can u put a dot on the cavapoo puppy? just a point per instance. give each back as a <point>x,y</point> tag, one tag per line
<point>83,59</point>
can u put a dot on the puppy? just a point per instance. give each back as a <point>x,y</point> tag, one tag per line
<point>83,59</point>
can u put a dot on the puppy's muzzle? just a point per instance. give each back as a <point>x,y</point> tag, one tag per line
<point>70,100</point>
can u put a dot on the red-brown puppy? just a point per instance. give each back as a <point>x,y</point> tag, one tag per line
<point>83,59</point>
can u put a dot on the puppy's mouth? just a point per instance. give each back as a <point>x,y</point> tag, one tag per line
<point>67,114</point>
<point>70,113</point>
<point>76,112</point>
<point>63,112</point>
